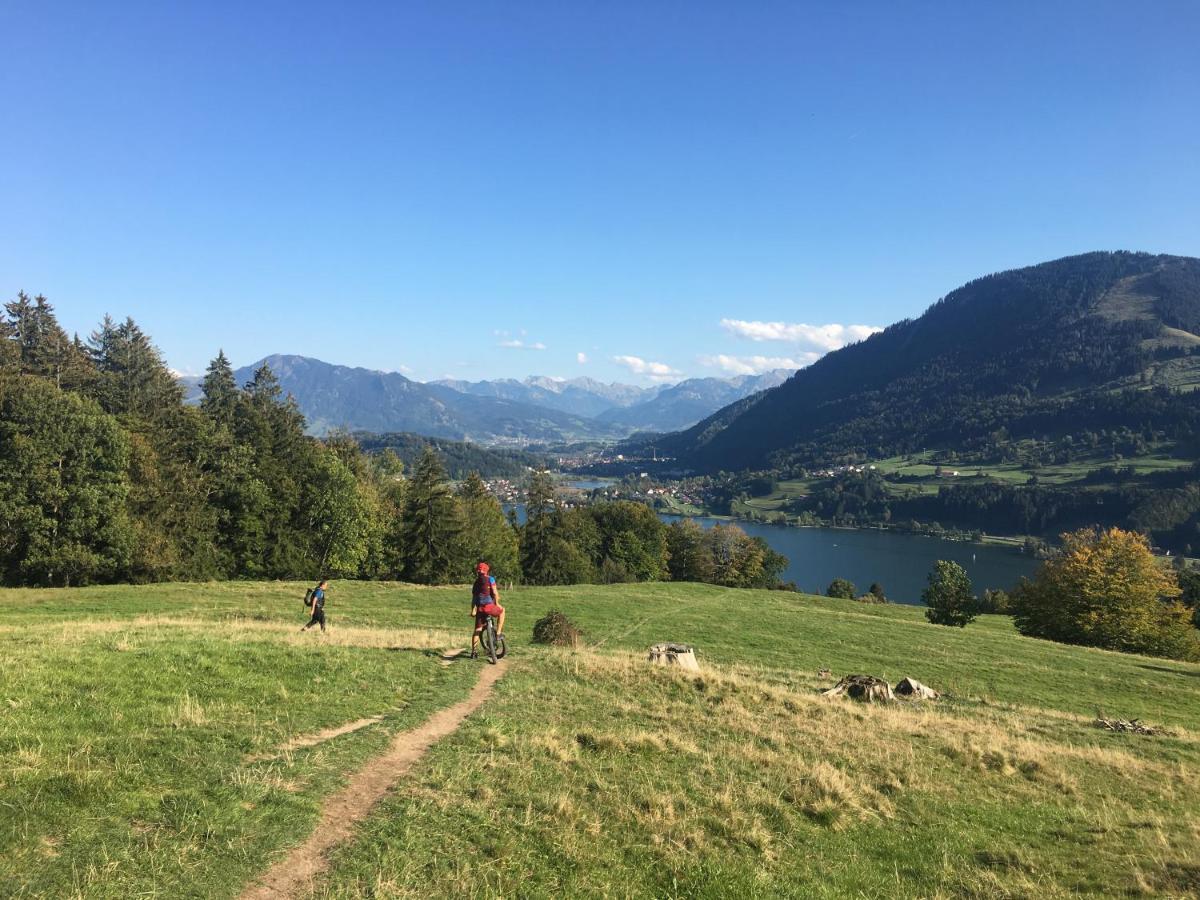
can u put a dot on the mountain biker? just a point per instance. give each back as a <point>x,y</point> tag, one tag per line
<point>485,601</point>
<point>318,607</point>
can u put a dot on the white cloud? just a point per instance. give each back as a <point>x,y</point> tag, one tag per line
<point>655,371</point>
<point>823,338</point>
<point>757,365</point>
<point>581,358</point>
<point>517,344</point>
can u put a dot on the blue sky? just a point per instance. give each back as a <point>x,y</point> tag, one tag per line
<point>623,190</point>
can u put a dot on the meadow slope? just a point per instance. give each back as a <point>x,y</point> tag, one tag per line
<point>175,740</point>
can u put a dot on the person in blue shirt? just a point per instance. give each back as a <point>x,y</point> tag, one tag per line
<point>485,601</point>
<point>318,607</point>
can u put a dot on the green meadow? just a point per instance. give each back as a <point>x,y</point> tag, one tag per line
<point>175,740</point>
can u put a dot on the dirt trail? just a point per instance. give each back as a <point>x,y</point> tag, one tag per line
<point>294,874</point>
<point>318,737</point>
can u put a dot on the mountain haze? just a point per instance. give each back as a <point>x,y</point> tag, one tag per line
<point>1094,341</point>
<point>577,396</point>
<point>538,409</point>
<point>356,399</point>
<point>685,403</point>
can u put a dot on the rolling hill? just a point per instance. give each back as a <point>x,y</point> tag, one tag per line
<point>1077,346</point>
<point>143,720</point>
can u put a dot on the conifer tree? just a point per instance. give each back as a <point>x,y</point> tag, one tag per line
<point>134,380</point>
<point>220,391</point>
<point>43,347</point>
<point>537,534</point>
<point>10,351</point>
<point>431,526</point>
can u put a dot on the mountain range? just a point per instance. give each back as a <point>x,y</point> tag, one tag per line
<point>1069,349</point>
<point>507,411</point>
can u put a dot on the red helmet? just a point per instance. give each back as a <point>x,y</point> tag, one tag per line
<point>483,568</point>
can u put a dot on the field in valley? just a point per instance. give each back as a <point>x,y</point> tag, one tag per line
<point>176,740</point>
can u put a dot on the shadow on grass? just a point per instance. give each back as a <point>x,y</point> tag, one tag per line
<point>1169,670</point>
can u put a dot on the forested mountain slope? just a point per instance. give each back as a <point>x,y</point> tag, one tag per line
<point>1097,341</point>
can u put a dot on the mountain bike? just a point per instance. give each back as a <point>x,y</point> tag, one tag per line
<point>493,643</point>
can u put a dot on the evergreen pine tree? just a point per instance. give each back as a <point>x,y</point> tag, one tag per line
<point>134,380</point>
<point>431,526</point>
<point>220,391</point>
<point>10,350</point>
<point>43,347</point>
<point>537,534</point>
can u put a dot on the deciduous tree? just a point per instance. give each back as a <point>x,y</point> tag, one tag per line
<point>1106,589</point>
<point>949,596</point>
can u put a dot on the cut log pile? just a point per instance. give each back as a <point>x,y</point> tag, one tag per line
<point>864,688</point>
<point>869,689</point>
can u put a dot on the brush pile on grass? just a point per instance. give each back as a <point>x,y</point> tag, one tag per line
<point>1128,726</point>
<point>556,630</point>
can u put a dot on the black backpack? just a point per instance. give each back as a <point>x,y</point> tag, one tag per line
<point>308,595</point>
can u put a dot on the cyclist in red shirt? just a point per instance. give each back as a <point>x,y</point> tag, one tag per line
<point>485,601</point>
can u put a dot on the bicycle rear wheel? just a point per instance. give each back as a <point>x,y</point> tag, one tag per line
<point>488,639</point>
<point>501,647</point>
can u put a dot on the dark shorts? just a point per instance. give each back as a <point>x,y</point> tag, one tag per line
<point>318,617</point>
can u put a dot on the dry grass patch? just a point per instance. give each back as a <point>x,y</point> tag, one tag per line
<point>240,629</point>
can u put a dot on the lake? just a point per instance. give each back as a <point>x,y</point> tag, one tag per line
<point>590,484</point>
<point>898,561</point>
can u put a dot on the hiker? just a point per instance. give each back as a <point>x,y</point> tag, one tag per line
<point>318,606</point>
<point>485,601</point>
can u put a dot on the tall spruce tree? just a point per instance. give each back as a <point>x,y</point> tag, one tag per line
<point>537,534</point>
<point>171,450</point>
<point>10,351</point>
<point>220,391</point>
<point>134,380</point>
<point>431,528</point>
<point>43,347</point>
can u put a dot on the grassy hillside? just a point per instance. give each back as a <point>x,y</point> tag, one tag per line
<point>155,738</point>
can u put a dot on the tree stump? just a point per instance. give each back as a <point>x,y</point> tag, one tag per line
<point>674,655</point>
<point>864,688</point>
<point>911,689</point>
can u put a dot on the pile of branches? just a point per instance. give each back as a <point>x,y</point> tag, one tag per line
<point>1127,726</point>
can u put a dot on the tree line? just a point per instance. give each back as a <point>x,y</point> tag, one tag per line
<point>107,475</point>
